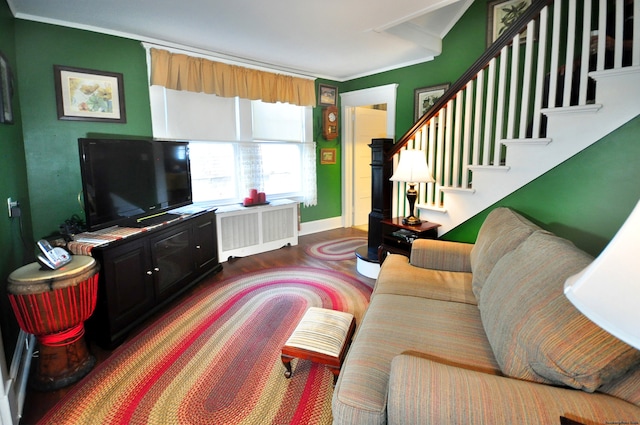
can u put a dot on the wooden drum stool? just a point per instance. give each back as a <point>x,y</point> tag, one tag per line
<point>322,336</point>
<point>53,305</point>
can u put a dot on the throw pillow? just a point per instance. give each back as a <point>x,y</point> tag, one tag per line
<point>501,232</point>
<point>535,332</point>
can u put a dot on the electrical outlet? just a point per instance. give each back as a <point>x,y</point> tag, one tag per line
<point>11,204</point>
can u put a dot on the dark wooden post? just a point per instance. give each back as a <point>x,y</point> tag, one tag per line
<point>381,171</point>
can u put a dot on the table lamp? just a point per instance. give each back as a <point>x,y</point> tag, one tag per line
<point>607,291</point>
<point>412,169</point>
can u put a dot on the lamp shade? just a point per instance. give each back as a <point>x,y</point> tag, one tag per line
<point>412,168</point>
<point>608,290</point>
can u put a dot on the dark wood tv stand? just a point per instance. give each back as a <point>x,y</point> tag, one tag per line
<point>143,273</point>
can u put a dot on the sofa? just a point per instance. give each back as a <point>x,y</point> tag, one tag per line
<point>483,334</point>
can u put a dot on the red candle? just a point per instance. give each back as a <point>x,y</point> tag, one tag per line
<point>262,198</point>
<point>248,201</point>
<point>253,193</point>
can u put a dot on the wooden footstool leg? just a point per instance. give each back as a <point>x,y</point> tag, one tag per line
<point>286,360</point>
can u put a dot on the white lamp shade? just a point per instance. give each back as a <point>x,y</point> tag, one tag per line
<point>412,168</point>
<point>608,290</point>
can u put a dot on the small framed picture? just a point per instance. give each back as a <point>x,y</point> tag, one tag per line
<point>327,156</point>
<point>89,95</point>
<point>501,15</point>
<point>426,97</point>
<point>327,95</point>
<point>6,91</point>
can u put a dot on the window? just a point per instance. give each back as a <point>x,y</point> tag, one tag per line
<point>238,144</point>
<point>224,172</point>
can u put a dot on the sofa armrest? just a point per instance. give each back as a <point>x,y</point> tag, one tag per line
<point>441,255</point>
<point>423,391</point>
<point>398,277</point>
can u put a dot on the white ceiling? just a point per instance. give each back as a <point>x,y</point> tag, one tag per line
<point>333,39</point>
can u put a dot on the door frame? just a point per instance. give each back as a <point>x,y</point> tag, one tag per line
<point>349,101</point>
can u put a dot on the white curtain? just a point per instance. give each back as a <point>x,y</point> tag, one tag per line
<point>309,184</point>
<point>251,167</point>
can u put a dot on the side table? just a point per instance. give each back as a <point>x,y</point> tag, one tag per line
<point>397,237</point>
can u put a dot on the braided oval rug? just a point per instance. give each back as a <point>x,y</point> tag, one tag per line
<point>337,249</point>
<point>215,358</point>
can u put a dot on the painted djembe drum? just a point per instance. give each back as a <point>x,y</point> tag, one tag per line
<point>53,305</point>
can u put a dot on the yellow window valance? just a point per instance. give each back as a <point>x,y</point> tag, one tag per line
<point>182,72</point>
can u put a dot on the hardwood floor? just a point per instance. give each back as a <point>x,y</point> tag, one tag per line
<point>38,403</point>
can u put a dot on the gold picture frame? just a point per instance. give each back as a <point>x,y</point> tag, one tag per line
<point>327,156</point>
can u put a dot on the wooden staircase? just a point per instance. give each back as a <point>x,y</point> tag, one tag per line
<point>498,128</point>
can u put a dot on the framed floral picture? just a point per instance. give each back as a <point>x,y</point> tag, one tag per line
<point>502,14</point>
<point>426,97</point>
<point>89,95</point>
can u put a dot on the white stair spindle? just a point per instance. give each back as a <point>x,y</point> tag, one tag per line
<point>477,126</point>
<point>569,58</point>
<point>585,53</point>
<point>457,140</point>
<point>489,113</point>
<point>555,52</point>
<point>540,73</point>
<point>466,145</point>
<point>513,86</point>
<point>500,113</point>
<point>526,80</point>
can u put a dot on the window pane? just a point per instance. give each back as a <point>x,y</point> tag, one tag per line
<point>281,165</point>
<point>213,171</point>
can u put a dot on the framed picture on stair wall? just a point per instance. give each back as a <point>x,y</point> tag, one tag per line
<point>426,97</point>
<point>501,15</point>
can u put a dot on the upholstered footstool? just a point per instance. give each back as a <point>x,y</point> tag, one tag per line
<point>322,336</point>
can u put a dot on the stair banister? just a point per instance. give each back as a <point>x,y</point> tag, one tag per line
<point>494,50</point>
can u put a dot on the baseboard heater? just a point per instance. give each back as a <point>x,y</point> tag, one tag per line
<point>246,231</point>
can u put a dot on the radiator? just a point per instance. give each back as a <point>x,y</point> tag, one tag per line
<point>252,230</point>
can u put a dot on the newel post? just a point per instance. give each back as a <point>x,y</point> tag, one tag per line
<point>381,189</point>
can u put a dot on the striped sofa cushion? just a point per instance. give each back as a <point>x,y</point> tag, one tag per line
<point>501,232</point>
<point>395,324</point>
<point>535,332</point>
<point>427,392</point>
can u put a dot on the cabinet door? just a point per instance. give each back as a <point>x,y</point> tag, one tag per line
<point>128,284</point>
<point>205,240</point>
<point>172,258</point>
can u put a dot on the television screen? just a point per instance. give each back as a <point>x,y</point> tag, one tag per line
<point>123,180</point>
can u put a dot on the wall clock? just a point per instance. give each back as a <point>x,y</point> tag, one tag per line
<point>330,122</point>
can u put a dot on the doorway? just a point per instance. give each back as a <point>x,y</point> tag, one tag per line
<point>361,122</point>
<point>369,122</point>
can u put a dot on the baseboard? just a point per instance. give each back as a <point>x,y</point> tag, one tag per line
<point>311,227</point>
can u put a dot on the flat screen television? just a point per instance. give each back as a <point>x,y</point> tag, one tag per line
<point>126,181</point>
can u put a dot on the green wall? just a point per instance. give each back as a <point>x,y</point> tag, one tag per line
<point>329,176</point>
<point>13,183</point>
<point>586,199</point>
<point>51,144</point>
